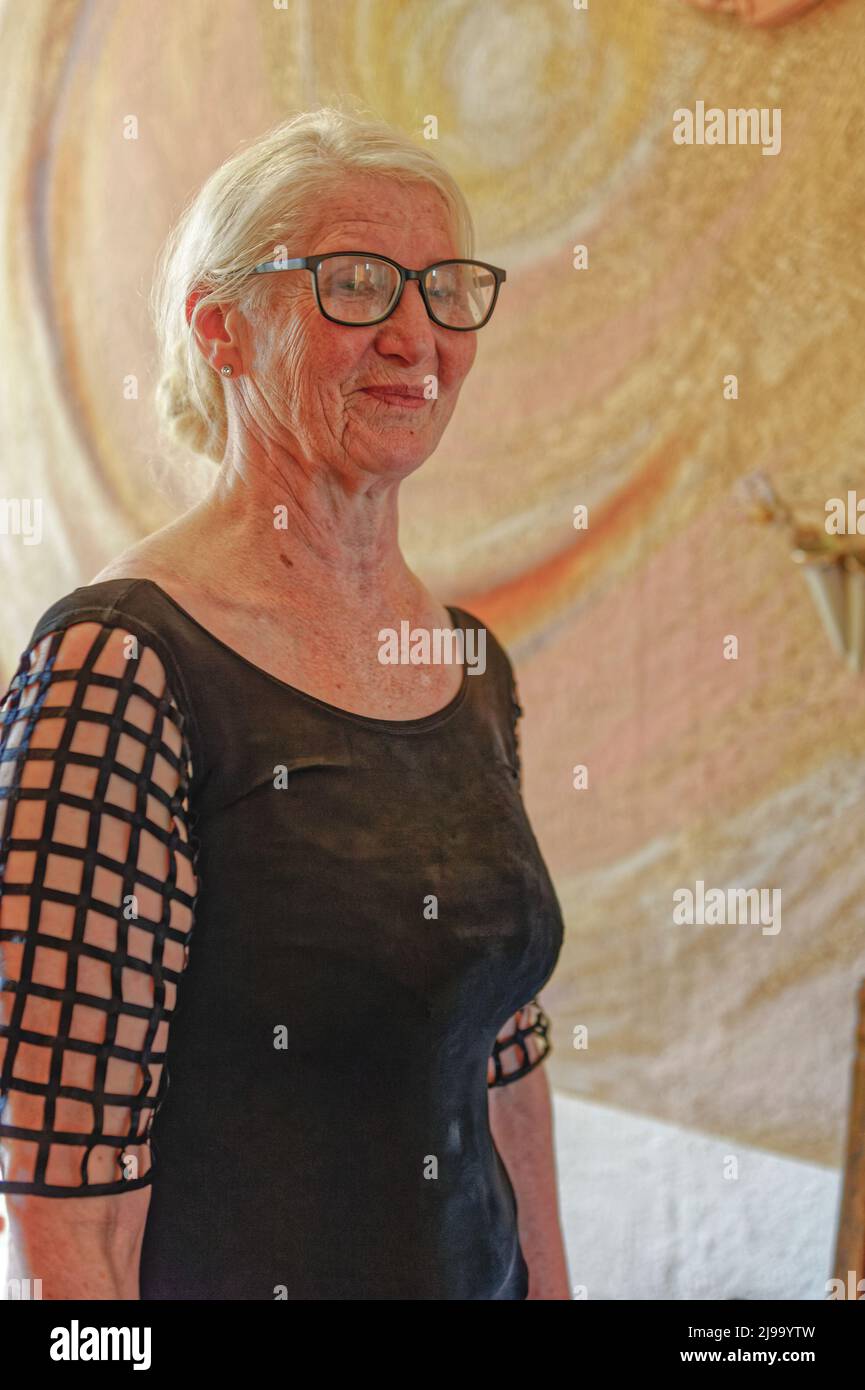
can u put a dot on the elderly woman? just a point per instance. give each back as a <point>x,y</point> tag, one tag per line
<point>241,846</point>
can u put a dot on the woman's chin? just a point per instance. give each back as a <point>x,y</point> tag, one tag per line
<point>394,451</point>
<point>395,461</point>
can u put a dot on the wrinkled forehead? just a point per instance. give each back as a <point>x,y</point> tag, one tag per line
<point>410,222</point>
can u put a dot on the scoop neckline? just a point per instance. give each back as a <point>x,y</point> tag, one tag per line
<point>424,721</point>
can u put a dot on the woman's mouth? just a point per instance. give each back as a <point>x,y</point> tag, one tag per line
<point>406,397</point>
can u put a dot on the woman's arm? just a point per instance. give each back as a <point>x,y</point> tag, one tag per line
<point>521,1121</point>
<point>81,1247</point>
<point>96,892</point>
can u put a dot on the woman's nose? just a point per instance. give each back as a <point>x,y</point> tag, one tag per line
<point>410,315</point>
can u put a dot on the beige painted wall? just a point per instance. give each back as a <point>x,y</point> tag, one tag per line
<point>601,386</point>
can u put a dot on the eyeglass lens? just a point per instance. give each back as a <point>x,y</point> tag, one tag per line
<point>361,291</point>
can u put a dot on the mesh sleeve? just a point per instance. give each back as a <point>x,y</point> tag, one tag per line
<point>97,889</point>
<point>521,1046</point>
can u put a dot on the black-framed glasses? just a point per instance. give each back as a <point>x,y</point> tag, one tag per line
<point>358,289</point>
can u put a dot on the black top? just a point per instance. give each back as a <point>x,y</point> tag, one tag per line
<point>361,917</point>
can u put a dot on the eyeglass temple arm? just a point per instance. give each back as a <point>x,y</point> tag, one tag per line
<point>295,263</point>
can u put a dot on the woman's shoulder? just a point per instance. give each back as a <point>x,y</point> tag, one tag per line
<point>112,600</point>
<point>99,600</point>
<point>109,601</point>
<point>129,586</point>
<point>485,641</point>
<point>134,567</point>
<point>115,632</point>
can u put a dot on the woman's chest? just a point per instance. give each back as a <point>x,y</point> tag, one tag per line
<point>346,659</point>
<point>378,878</point>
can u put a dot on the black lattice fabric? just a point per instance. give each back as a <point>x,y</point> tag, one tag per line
<point>521,1045</point>
<point>96,909</point>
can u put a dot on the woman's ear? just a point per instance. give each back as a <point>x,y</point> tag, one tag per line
<point>209,326</point>
<point>191,300</point>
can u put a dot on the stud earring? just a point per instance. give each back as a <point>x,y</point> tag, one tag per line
<point>227,370</point>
